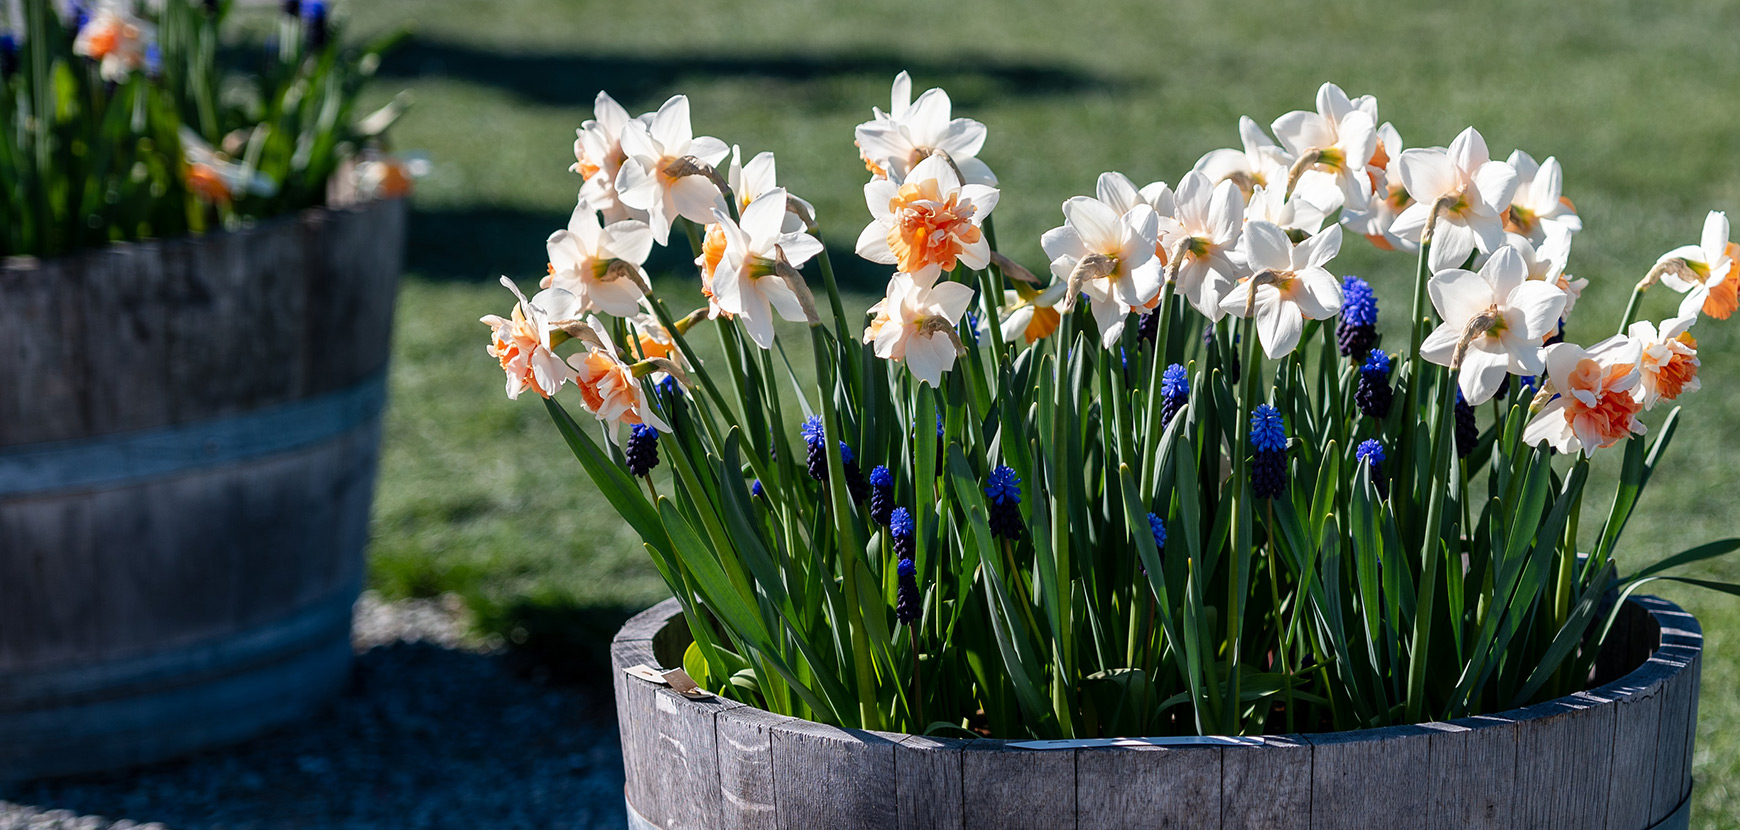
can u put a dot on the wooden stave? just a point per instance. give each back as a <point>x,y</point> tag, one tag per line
<point>296,290</point>
<point>1668,635</point>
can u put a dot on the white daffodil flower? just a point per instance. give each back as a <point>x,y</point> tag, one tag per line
<point>746,284</point>
<point>655,177</point>
<point>1205,229</point>
<point>215,177</point>
<point>1497,318</point>
<point>1290,282</point>
<point>523,344</point>
<point>1259,163</point>
<point>120,42</point>
<point>607,384</point>
<point>749,181</point>
<point>1341,136</point>
<point>1707,273</point>
<point>927,221</point>
<point>600,264</point>
<point>915,323</point>
<point>1539,205</point>
<point>1296,214</point>
<point>1122,195</point>
<point>1470,191</point>
<point>598,157</point>
<point>1667,361</point>
<point>1546,262</point>
<point>1107,258</point>
<point>895,142</point>
<point>1030,315</point>
<point>1389,197</point>
<point>1595,406</point>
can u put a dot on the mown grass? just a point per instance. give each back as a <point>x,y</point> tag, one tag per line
<point>479,496</point>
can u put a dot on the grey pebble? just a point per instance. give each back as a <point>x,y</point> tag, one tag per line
<point>436,731</point>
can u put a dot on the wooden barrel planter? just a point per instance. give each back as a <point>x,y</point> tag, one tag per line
<point>189,432</point>
<point>1617,756</point>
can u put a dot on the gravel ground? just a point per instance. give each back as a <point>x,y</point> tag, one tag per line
<point>435,731</point>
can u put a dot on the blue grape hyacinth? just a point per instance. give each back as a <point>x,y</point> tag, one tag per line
<point>1374,396</point>
<point>1003,490</point>
<point>1174,392</point>
<point>1269,459</point>
<point>1357,332</point>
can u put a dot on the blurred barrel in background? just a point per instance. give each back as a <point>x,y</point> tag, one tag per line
<point>189,432</point>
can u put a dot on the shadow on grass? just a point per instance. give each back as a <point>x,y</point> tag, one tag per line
<point>556,641</point>
<point>567,79</point>
<point>480,244</point>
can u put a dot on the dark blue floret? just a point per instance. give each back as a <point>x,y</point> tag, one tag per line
<point>1268,430</point>
<point>908,603</point>
<point>855,484</point>
<point>1374,395</point>
<point>900,528</point>
<point>8,55</point>
<point>1003,491</point>
<point>1371,451</point>
<point>972,320</point>
<point>755,488</point>
<point>670,387</point>
<point>881,495</point>
<point>1269,456</point>
<point>1174,392</point>
<point>314,21</point>
<point>1357,332</point>
<point>1148,326</point>
<point>642,452</point>
<point>1467,432</point>
<point>1157,526</point>
<point>815,437</point>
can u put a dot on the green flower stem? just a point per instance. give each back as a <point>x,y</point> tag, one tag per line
<point>1237,580</point>
<point>1631,308</point>
<point>1404,478</point>
<point>846,528</point>
<point>1419,652</point>
<point>1061,537</point>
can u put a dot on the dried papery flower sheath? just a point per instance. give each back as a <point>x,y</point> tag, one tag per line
<point>1166,481</point>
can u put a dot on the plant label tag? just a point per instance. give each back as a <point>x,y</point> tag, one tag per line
<point>678,680</point>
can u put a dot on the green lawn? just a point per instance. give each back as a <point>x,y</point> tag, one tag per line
<point>479,496</point>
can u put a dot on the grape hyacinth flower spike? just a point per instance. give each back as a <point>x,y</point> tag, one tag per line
<point>908,604</point>
<point>1269,456</point>
<point>1467,431</point>
<point>1003,489</point>
<point>642,451</point>
<point>1373,396</point>
<point>881,495</point>
<point>1371,451</point>
<point>1174,392</point>
<point>1357,333</point>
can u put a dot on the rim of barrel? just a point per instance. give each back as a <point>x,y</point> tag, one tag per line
<point>24,262</point>
<point>1680,643</point>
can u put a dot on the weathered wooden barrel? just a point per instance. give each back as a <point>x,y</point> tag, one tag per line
<point>1617,756</point>
<point>189,432</point>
